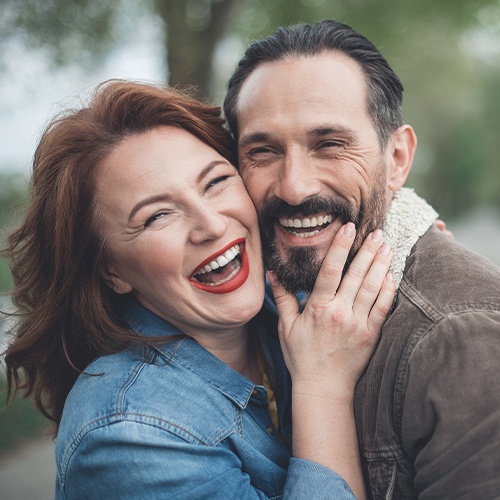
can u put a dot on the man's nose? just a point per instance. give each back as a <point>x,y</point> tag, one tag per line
<point>207,224</point>
<point>297,180</point>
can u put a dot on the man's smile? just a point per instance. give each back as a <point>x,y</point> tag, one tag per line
<point>305,227</point>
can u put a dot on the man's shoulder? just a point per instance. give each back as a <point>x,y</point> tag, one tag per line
<point>449,277</point>
<point>447,291</point>
<point>432,377</point>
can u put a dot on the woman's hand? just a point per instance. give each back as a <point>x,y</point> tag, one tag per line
<point>329,344</point>
<point>441,225</point>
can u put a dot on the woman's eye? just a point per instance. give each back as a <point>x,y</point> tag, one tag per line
<point>217,180</point>
<point>154,218</point>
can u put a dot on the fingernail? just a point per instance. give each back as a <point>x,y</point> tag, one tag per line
<point>271,277</point>
<point>377,236</point>
<point>349,230</point>
<point>389,276</point>
<point>386,249</point>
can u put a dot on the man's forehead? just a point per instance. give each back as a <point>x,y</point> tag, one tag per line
<point>304,89</point>
<point>326,64</point>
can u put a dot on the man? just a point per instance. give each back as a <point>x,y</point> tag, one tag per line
<point>317,113</point>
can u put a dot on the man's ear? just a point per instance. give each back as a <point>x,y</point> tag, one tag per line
<point>400,150</point>
<point>116,282</point>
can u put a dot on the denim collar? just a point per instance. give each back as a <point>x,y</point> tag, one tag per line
<point>188,353</point>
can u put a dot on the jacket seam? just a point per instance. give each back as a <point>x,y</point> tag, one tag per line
<point>134,374</point>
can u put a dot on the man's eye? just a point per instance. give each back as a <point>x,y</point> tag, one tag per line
<point>155,217</point>
<point>332,144</point>
<point>260,150</point>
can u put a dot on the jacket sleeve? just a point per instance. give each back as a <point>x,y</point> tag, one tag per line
<point>133,460</point>
<point>451,416</point>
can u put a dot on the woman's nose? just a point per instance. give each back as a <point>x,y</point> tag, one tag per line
<point>208,224</point>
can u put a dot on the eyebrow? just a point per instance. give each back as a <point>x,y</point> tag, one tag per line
<point>209,168</point>
<point>327,130</point>
<point>253,138</point>
<point>163,197</point>
<point>146,201</point>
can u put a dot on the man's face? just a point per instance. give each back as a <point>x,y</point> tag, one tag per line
<point>311,160</point>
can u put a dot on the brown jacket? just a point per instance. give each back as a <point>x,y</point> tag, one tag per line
<point>428,406</point>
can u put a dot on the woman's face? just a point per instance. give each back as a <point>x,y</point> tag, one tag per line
<point>181,231</point>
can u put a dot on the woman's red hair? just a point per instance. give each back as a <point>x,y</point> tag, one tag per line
<point>67,315</point>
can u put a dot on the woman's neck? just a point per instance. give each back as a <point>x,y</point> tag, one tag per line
<point>236,349</point>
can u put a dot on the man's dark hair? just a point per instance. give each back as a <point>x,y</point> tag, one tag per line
<point>385,91</point>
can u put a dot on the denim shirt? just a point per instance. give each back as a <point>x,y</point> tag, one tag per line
<point>173,421</point>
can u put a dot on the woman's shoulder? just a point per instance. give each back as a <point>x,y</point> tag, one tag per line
<point>144,387</point>
<point>130,413</point>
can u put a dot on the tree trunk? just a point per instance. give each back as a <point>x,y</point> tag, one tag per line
<point>193,27</point>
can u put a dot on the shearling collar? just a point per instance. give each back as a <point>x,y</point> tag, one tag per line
<point>407,219</point>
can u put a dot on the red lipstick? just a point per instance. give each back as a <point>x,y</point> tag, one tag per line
<point>235,282</point>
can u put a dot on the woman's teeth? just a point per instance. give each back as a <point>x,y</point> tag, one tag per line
<point>220,261</point>
<point>227,278</point>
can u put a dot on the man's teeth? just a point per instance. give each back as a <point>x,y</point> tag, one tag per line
<point>220,261</point>
<point>306,223</point>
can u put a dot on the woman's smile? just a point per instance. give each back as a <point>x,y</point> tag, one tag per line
<point>224,271</point>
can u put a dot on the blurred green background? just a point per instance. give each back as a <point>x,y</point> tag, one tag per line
<point>446,52</point>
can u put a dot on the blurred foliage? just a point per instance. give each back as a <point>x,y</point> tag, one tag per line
<point>193,30</point>
<point>84,29</point>
<point>18,421</point>
<point>13,190</point>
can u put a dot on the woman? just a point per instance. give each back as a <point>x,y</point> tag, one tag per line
<point>139,278</point>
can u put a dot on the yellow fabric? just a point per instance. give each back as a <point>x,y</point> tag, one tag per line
<point>266,382</point>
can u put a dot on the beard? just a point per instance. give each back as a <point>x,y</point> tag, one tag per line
<point>299,267</point>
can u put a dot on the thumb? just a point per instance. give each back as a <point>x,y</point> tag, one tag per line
<point>286,302</point>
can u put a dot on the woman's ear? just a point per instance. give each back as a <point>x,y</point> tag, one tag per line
<point>400,150</point>
<point>116,282</point>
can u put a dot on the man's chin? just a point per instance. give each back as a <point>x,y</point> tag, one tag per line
<point>298,270</point>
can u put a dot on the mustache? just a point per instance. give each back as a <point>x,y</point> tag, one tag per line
<point>275,208</point>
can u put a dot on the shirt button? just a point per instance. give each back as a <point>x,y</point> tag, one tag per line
<point>255,392</point>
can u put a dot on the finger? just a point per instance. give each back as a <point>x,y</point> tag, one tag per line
<point>441,225</point>
<point>360,266</point>
<point>373,282</point>
<point>286,303</point>
<point>383,304</point>
<point>330,274</point>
